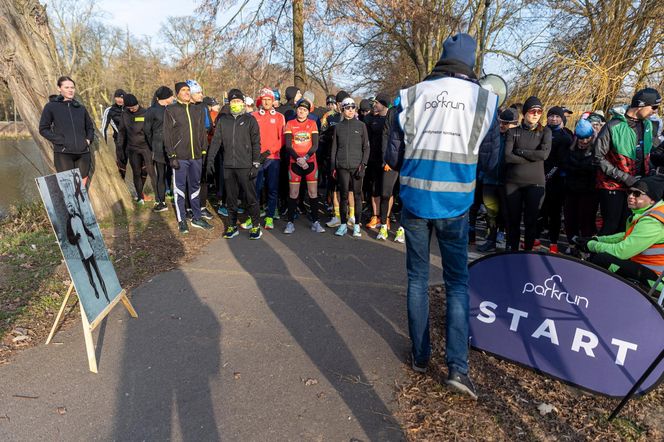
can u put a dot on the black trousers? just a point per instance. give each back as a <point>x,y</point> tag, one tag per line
<point>613,207</point>
<point>625,268</point>
<point>141,167</point>
<point>236,180</point>
<point>161,171</point>
<point>580,214</point>
<point>523,201</point>
<point>69,161</point>
<point>389,181</point>
<point>551,213</point>
<point>347,181</point>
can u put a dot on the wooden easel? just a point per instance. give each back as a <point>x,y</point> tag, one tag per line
<point>87,327</point>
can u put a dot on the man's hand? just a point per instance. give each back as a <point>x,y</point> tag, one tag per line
<point>175,164</point>
<point>209,169</point>
<point>302,163</point>
<point>581,242</point>
<point>387,168</point>
<point>359,172</point>
<point>253,172</point>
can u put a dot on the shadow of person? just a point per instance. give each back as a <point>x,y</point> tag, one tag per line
<point>171,353</point>
<point>319,329</point>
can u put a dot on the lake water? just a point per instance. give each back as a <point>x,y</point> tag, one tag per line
<point>17,174</point>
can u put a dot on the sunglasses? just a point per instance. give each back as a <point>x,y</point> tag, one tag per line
<point>635,193</point>
<point>535,112</point>
<point>351,106</point>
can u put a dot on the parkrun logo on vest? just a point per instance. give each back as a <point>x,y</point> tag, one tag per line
<point>549,289</point>
<point>441,102</point>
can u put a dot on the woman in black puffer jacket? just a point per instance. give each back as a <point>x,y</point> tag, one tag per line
<point>66,123</point>
<point>526,148</point>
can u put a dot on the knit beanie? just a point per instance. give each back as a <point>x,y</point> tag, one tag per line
<point>653,186</point>
<point>365,105</point>
<point>235,94</point>
<point>179,85</point>
<point>532,103</point>
<point>291,92</point>
<point>509,115</point>
<point>194,87</point>
<point>556,110</point>
<point>130,100</point>
<point>383,99</point>
<point>266,93</point>
<point>163,93</point>
<point>119,93</point>
<point>304,103</point>
<point>460,47</point>
<point>584,129</point>
<point>341,96</point>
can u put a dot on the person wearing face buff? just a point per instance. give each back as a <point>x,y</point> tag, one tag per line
<point>237,138</point>
<point>185,140</point>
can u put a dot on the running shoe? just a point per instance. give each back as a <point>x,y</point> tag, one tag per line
<point>183,227</point>
<point>488,246</point>
<point>205,213</point>
<point>160,207</point>
<point>276,214</point>
<point>382,233</point>
<point>269,223</point>
<point>290,228</point>
<point>341,231</point>
<point>262,212</point>
<point>222,210</point>
<point>553,248</point>
<point>201,224</point>
<point>400,236</point>
<point>334,222</point>
<point>351,221</point>
<point>231,232</point>
<point>356,231</point>
<point>373,222</point>
<point>247,224</point>
<point>147,198</point>
<point>240,210</point>
<point>316,227</point>
<point>461,383</point>
<point>140,201</point>
<point>256,233</point>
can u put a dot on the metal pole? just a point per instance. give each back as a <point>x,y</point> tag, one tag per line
<point>483,37</point>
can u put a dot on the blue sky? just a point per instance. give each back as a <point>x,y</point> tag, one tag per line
<point>144,17</point>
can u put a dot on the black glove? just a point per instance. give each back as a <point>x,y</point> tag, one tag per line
<point>581,242</point>
<point>264,156</point>
<point>359,172</point>
<point>175,164</point>
<point>209,169</point>
<point>253,172</point>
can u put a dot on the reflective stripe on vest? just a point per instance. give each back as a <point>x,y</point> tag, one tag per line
<point>444,122</point>
<point>653,256</point>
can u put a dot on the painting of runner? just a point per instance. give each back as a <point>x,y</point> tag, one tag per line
<point>75,226</point>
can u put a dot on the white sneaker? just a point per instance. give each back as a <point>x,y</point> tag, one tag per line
<point>290,228</point>
<point>382,233</point>
<point>351,221</point>
<point>356,231</point>
<point>316,227</point>
<point>334,222</point>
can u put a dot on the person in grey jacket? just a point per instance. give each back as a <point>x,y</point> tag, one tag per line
<point>349,156</point>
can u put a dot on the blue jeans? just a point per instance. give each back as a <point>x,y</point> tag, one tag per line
<point>452,234</point>
<point>268,174</point>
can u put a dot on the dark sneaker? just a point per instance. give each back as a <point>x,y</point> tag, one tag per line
<point>201,224</point>
<point>461,383</point>
<point>205,213</point>
<point>488,246</point>
<point>182,225</point>
<point>256,233</point>
<point>190,214</point>
<point>160,207</point>
<point>231,232</point>
<point>417,366</point>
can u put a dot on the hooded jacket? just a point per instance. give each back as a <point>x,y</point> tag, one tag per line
<point>579,169</point>
<point>238,139</point>
<point>67,125</point>
<point>154,132</point>
<point>111,117</point>
<point>185,137</point>
<point>130,133</point>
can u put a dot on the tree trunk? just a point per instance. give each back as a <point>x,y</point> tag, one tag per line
<point>300,72</point>
<point>29,66</point>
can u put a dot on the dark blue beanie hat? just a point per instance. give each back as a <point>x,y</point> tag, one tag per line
<point>460,47</point>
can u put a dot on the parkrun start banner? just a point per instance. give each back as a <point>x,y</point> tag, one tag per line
<point>567,319</point>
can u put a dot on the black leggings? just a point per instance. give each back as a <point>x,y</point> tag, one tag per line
<point>580,214</point>
<point>161,172</point>
<point>69,161</point>
<point>141,167</point>
<point>613,206</point>
<point>390,178</point>
<point>346,180</point>
<point>524,201</point>
<point>625,268</point>
<point>551,213</point>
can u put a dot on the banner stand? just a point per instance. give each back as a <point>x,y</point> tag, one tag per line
<point>637,385</point>
<point>87,327</point>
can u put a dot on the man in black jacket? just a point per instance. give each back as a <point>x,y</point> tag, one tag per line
<point>131,138</point>
<point>349,156</point>
<point>185,139</point>
<point>154,135</point>
<point>237,137</point>
<point>111,117</point>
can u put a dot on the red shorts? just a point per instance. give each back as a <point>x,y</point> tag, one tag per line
<point>296,173</point>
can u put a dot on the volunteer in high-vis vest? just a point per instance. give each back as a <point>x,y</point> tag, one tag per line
<point>447,123</point>
<point>638,252</point>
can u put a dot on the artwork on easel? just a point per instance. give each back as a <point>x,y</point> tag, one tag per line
<point>82,246</point>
